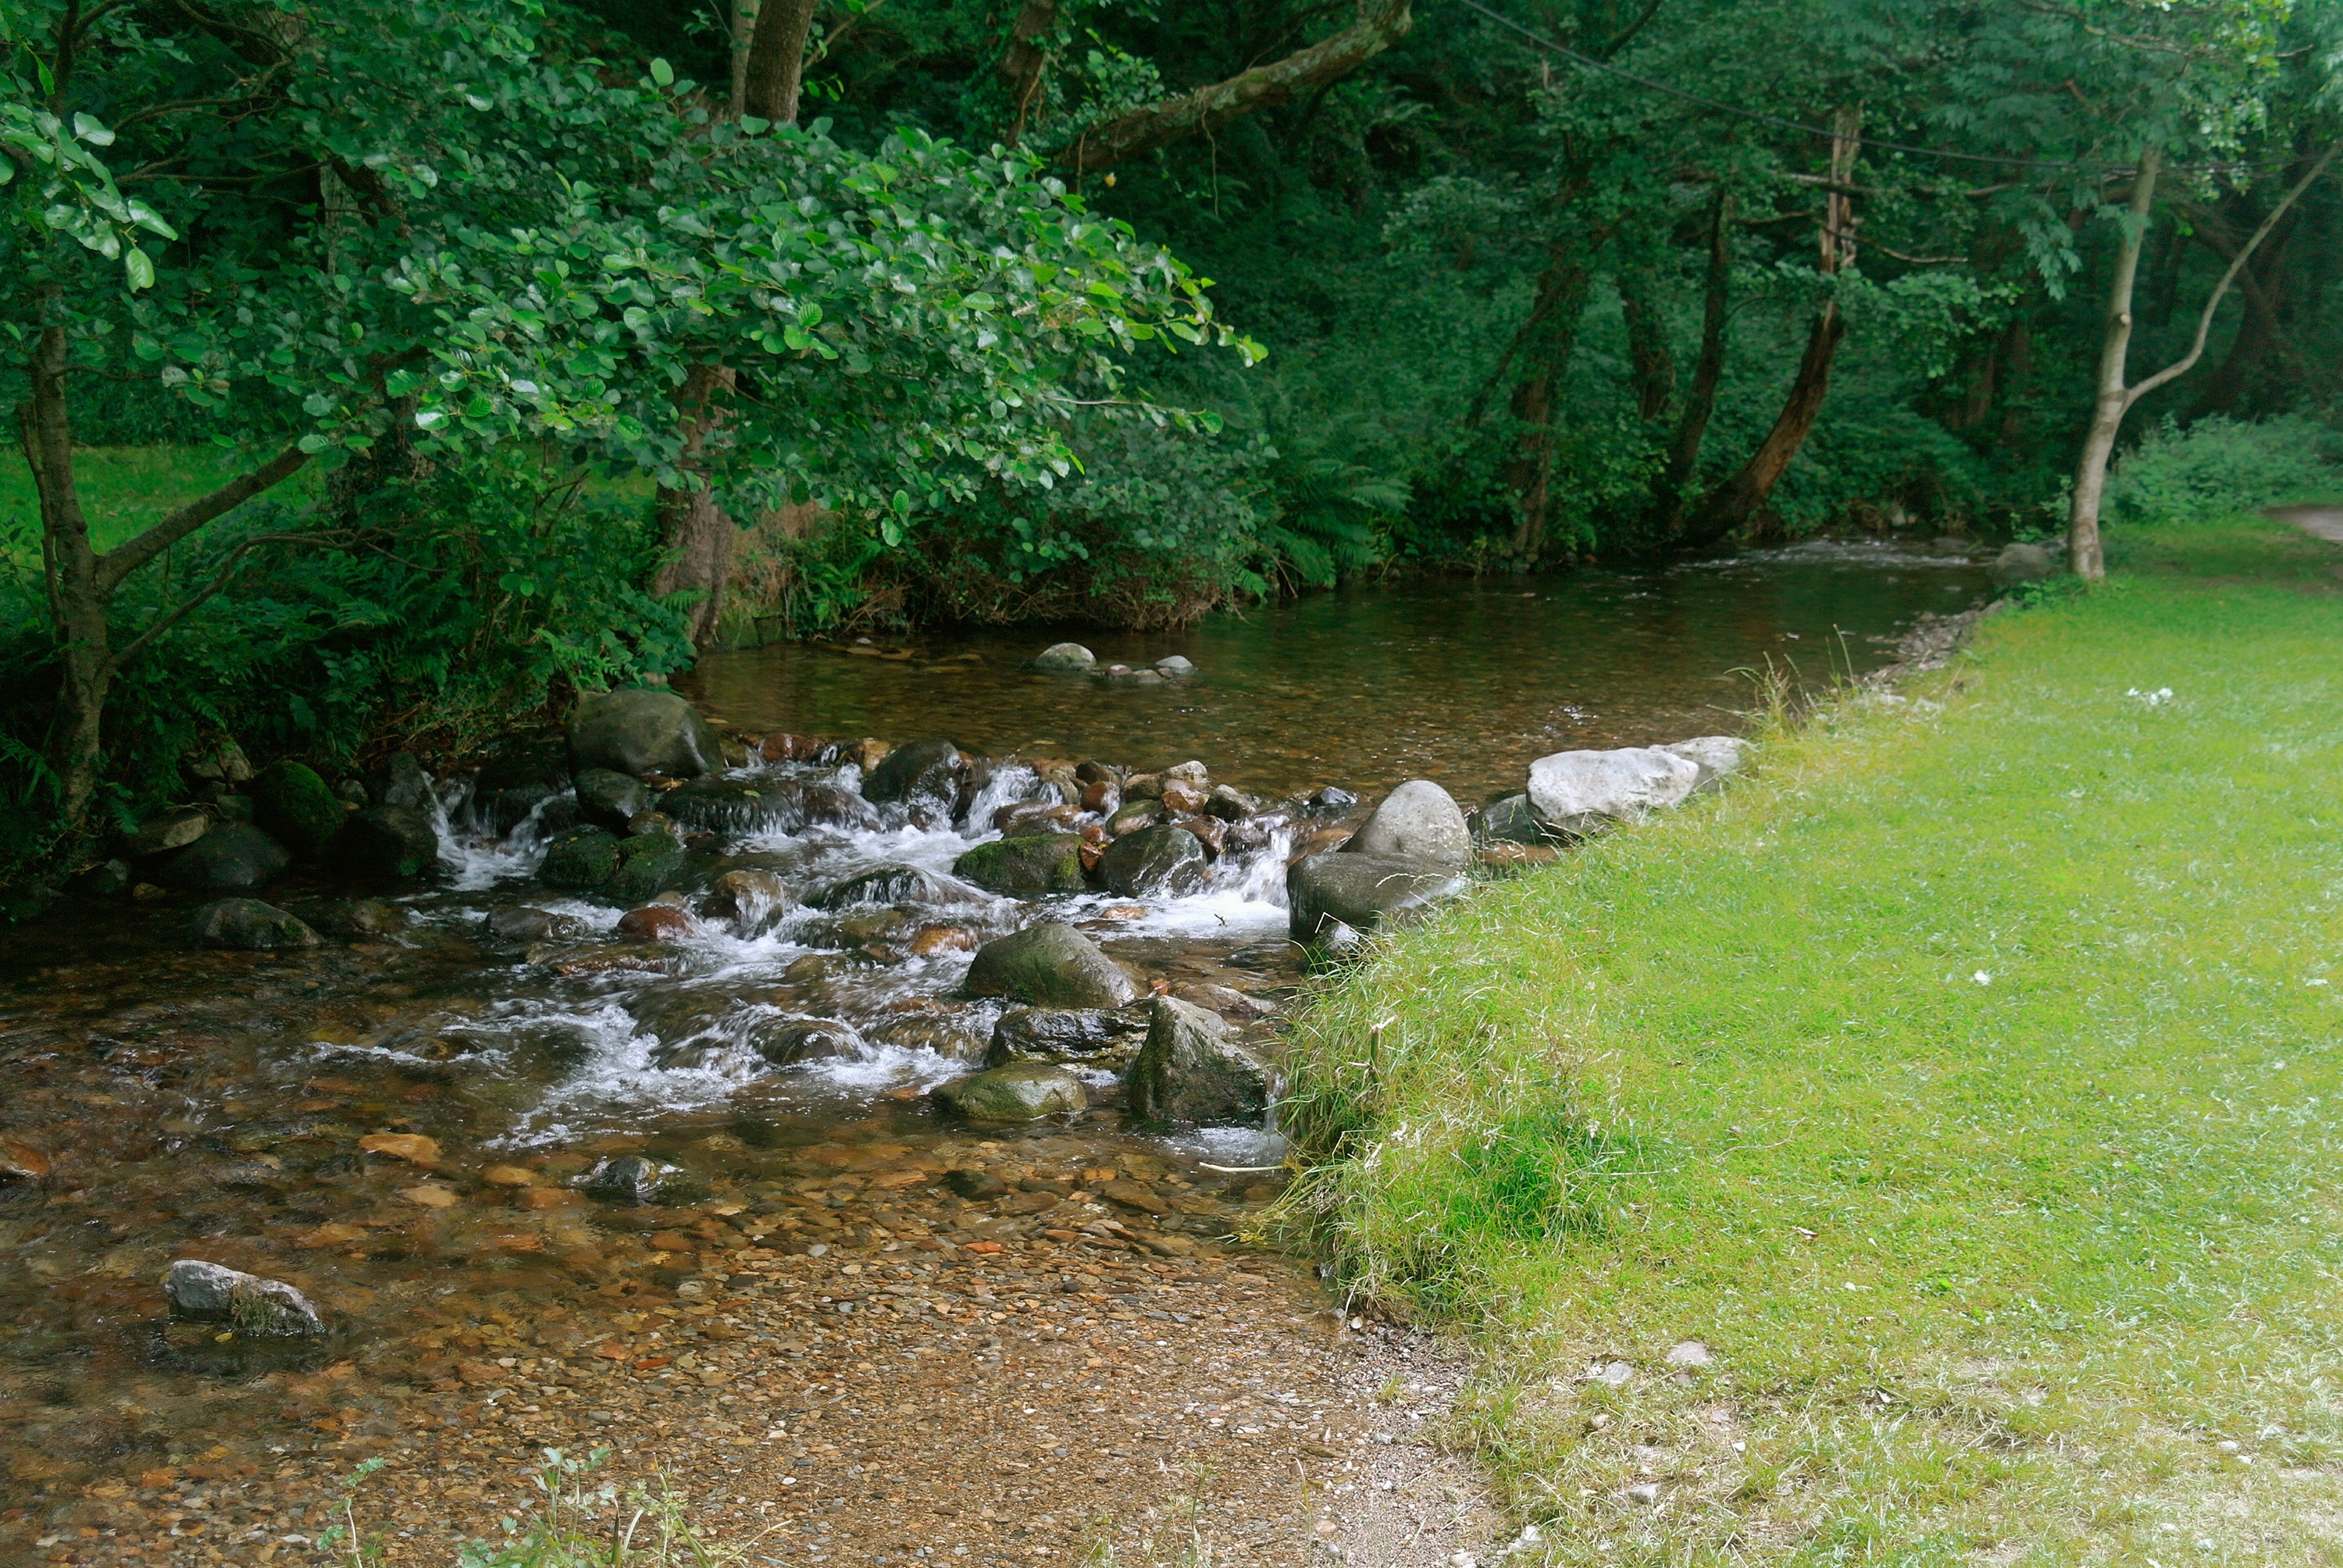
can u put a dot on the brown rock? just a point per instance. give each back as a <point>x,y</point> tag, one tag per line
<point>672,1242</point>
<point>1101,796</point>
<point>656,923</point>
<point>431,1196</point>
<point>22,1162</point>
<point>1182,800</point>
<point>781,745</point>
<point>1210,830</point>
<point>545,1198</point>
<point>412,1147</point>
<point>930,940</point>
<point>509,1176</point>
<point>1135,1195</point>
<point>480,1371</point>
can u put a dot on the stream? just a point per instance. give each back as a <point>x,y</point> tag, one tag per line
<point>212,1104</point>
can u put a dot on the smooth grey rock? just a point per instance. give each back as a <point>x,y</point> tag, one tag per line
<point>248,1303</point>
<point>249,925</point>
<point>1060,1034</point>
<point>1068,658</point>
<point>628,1178</point>
<point>1331,801</point>
<point>388,842</point>
<point>1585,792</point>
<point>353,792</point>
<point>1023,1091</point>
<point>609,799</point>
<point>518,924</point>
<point>401,782</point>
<point>642,731</point>
<point>1714,755</point>
<point>173,829</point>
<point>222,760</point>
<point>2022,564</point>
<point>1174,665</point>
<point>1050,965</point>
<point>1189,1070</point>
<point>1163,861</point>
<point>232,856</point>
<point>1029,865</point>
<point>1363,892</point>
<point>1419,820</point>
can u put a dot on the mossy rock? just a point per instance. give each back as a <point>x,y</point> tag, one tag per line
<point>582,859</point>
<point>298,808</point>
<point>1030,866</point>
<point>647,864</point>
<point>1025,1092</point>
<point>1050,965</point>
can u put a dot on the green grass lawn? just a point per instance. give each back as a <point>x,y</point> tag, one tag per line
<point>123,489</point>
<point>1966,1080</point>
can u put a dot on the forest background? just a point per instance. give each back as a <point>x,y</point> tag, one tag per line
<point>411,368</point>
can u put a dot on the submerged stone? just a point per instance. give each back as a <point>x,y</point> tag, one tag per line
<point>1025,1092</point>
<point>250,925</point>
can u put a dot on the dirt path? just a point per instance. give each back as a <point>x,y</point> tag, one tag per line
<point>2320,522</point>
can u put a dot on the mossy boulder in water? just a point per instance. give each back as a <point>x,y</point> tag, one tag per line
<point>212,1293</point>
<point>299,807</point>
<point>1027,865</point>
<point>250,925</point>
<point>1163,861</point>
<point>235,855</point>
<point>644,730</point>
<point>388,841</point>
<point>927,772</point>
<point>608,798</point>
<point>1024,1092</point>
<point>647,864</point>
<point>1190,1071</point>
<point>1050,965</point>
<point>581,860</point>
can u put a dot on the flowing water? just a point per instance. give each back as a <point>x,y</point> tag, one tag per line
<point>211,1104</point>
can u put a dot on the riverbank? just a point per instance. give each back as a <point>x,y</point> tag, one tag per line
<point>1924,1151</point>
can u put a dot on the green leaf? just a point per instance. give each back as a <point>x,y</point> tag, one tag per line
<point>140,268</point>
<point>662,73</point>
<point>314,443</point>
<point>91,129</point>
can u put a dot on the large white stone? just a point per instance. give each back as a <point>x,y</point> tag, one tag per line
<point>1587,791</point>
<point>1714,755</point>
<point>1419,821</point>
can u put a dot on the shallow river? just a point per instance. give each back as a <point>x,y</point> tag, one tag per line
<point>212,1104</point>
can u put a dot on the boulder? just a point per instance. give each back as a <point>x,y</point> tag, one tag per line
<point>889,885</point>
<point>297,806</point>
<point>221,761</point>
<point>1418,821</point>
<point>608,798</point>
<point>1174,665</point>
<point>1066,657</point>
<point>1512,820</point>
<point>401,782</point>
<point>1714,755</point>
<point>1050,965</point>
<point>175,828</point>
<point>928,772</point>
<point>1163,861</point>
<point>766,805</point>
<point>352,792</point>
<point>1060,1034</point>
<point>649,863</point>
<point>657,923</point>
<point>1030,866</point>
<point>1583,792</point>
<point>1230,804</point>
<point>1024,1092</point>
<point>628,1179</point>
<point>2022,564</point>
<point>1133,816</point>
<point>643,730</point>
<point>750,897</point>
<point>250,925</point>
<point>388,841</point>
<point>1363,892</point>
<point>358,918</point>
<point>517,924</point>
<point>211,1292</point>
<point>1190,1071</point>
<point>579,860</point>
<point>233,856</point>
<point>808,1040</point>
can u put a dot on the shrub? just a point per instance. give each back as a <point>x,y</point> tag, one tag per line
<point>2221,465</point>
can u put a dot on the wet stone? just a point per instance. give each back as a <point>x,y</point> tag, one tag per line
<point>210,1293</point>
<point>581,859</point>
<point>173,829</point>
<point>643,730</point>
<point>1061,1034</point>
<point>1025,1092</point>
<point>1050,965</point>
<point>388,841</point>
<point>355,919</point>
<point>250,925</point>
<point>1191,1071</point>
<point>609,799</point>
<point>1162,861</point>
<point>889,885</point>
<point>233,856</point>
<point>1029,865</point>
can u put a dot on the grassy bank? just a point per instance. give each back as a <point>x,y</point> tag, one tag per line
<point>1965,1080</point>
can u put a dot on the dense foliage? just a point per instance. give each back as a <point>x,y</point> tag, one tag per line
<point>1544,281</point>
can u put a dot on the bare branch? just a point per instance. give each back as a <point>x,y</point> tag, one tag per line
<point>127,556</point>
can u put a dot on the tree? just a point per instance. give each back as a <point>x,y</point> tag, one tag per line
<point>419,231</point>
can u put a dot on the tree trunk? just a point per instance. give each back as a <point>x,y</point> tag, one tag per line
<point>77,595</point>
<point>744,39</point>
<point>1670,488</point>
<point>1542,353</point>
<point>775,73</point>
<point>1650,368</point>
<point>2085,556</point>
<point>1023,61</point>
<point>1740,500</point>
<point>696,530</point>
